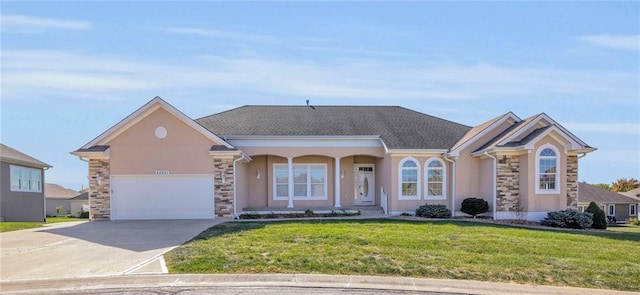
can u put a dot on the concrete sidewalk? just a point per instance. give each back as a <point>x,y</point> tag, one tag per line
<point>147,282</point>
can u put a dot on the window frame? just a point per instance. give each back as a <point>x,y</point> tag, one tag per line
<point>609,207</point>
<point>21,170</point>
<point>442,196</point>
<point>558,183</point>
<point>635,210</point>
<point>417,196</point>
<point>309,184</point>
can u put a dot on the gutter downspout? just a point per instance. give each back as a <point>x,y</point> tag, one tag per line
<point>495,163</point>
<point>453,184</point>
<point>235,214</point>
<point>577,186</point>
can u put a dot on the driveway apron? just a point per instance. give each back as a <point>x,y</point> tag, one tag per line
<point>97,248</point>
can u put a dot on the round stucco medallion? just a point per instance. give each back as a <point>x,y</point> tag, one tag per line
<point>161,132</point>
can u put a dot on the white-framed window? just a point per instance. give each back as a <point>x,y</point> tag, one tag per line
<point>24,179</point>
<point>547,170</point>
<point>309,181</point>
<point>409,179</point>
<point>581,208</point>
<point>435,184</point>
<point>633,209</point>
<point>612,210</point>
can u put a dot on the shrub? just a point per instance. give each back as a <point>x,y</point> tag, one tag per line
<point>634,221</point>
<point>58,209</point>
<point>433,211</point>
<point>83,214</point>
<point>308,213</point>
<point>474,206</point>
<point>568,219</point>
<point>405,214</point>
<point>599,218</point>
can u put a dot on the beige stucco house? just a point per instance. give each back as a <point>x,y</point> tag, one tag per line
<point>158,163</point>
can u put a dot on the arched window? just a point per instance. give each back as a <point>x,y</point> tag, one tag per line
<point>435,179</point>
<point>409,179</point>
<point>547,170</point>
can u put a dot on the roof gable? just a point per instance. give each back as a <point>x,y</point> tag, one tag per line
<point>99,143</point>
<point>481,130</point>
<point>398,127</point>
<point>11,155</point>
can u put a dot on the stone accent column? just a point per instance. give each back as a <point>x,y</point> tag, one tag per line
<point>99,191</point>
<point>223,186</point>
<point>572,181</point>
<point>508,183</point>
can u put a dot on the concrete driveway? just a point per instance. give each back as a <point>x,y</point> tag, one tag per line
<point>98,248</point>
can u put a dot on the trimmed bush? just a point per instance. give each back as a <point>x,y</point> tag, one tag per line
<point>474,206</point>
<point>568,219</point>
<point>433,211</point>
<point>83,214</point>
<point>599,218</point>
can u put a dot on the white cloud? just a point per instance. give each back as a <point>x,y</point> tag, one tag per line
<point>48,71</point>
<point>610,128</point>
<point>623,42</point>
<point>238,36</point>
<point>31,24</point>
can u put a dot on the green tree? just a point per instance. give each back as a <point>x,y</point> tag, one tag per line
<point>599,219</point>
<point>603,186</point>
<point>624,185</point>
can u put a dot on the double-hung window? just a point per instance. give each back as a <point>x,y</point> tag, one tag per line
<point>547,170</point>
<point>24,179</point>
<point>409,176</point>
<point>633,210</point>
<point>435,179</point>
<point>309,181</point>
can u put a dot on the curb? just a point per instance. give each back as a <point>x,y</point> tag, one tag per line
<point>288,280</point>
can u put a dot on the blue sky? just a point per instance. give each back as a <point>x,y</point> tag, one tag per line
<point>71,70</point>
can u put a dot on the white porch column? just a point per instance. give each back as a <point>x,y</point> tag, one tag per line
<point>336,183</point>
<point>290,186</point>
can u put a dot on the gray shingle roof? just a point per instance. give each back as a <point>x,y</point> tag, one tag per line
<point>590,193</point>
<point>83,196</point>
<point>8,154</point>
<point>95,148</point>
<point>400,128</point>
<point>475,130</point>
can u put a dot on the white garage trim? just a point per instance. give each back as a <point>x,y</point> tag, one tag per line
<point>162,197</point>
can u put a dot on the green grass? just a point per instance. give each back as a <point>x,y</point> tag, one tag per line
<point>625,228</point>
<point>441,249</point>
<point>13,226</point>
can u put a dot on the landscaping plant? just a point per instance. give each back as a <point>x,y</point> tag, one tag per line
<point>568,219</point>
<point>433,211</point>
<point>474,206</point>
<point>599,218</point>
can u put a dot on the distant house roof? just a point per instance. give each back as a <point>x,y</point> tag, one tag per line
<point>399,128</point>
<point>633,193</point>
<point>83,196</point>
<point>54,191</point>
<point>10,155</point>
<point>590,193</point>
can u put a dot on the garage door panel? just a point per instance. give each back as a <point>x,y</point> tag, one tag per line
<point>162,197</point>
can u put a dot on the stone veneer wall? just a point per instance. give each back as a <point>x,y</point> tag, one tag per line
<point>223,190</point>
<point>508,183</point>
<point>572,181</point>
<point>99,195</point>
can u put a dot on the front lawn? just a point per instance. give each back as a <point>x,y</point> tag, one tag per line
<point>6,226</point>
<point>440,249</point>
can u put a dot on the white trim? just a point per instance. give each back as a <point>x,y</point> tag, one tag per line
<point>305,141</point>
<point>418,191</point>
<point>635,209</point>
<point>609,206</point>
<point>290,181</point>
<point>574,144</point>
<point>494,183</point>
<point>558,179</point>
<point>426,180</point>
<point>356,167</point>
<point>510,115</point>
<point>336,183</point>
<point>411,152</point>
<point>142,113</point>
<point>453,184</point>
<point>534,122</point>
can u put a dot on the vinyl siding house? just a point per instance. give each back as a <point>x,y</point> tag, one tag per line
<point>617,205</point>
<point>21,186</point>
<point>158,163</point>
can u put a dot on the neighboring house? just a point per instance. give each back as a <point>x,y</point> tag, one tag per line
<point>79,203</point>
<point>58,196</point>
<point>613,204</point>
<point>158,163</point>
<point>21,189</point>
<point>634,193</point>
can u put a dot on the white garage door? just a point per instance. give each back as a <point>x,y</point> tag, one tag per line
<point>162,197</point>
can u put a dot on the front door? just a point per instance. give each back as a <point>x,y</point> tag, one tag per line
<point>364,179</point>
